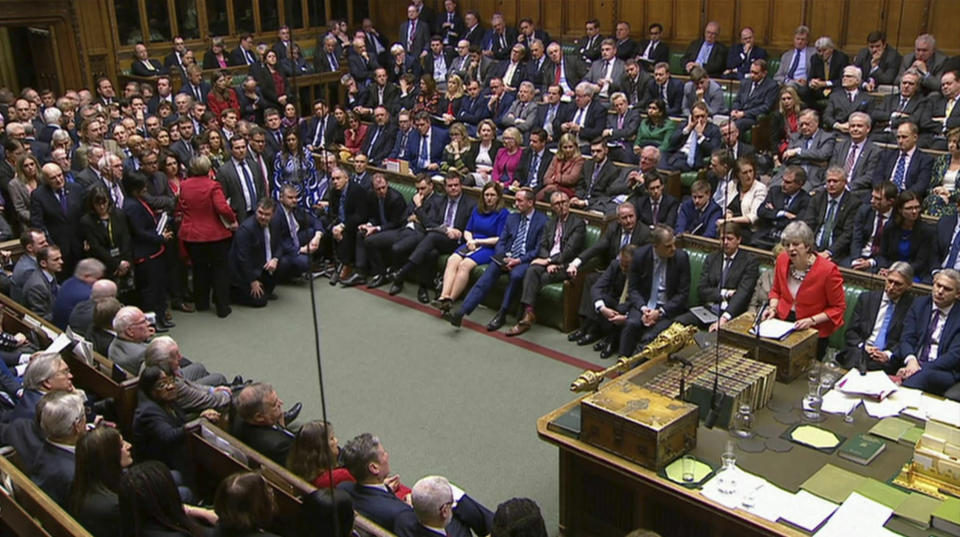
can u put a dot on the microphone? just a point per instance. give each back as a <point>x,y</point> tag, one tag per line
<point>684,361</point>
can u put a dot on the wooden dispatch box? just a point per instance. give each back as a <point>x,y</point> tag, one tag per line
<point>791,355</point>
<point>639,425</point>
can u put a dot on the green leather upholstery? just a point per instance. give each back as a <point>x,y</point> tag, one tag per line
<point>697,259</point>
<point>405,189</point>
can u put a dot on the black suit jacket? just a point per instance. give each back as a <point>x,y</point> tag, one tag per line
<point>159,434</point>
<point>54,472</point>
<point>756,101</point>
<point>741,276</point>
<point>775,202</point>
<point>238,57</point>
<point>716,61</point>
<point>272,442</point>
<point>863,230</point>
<point>493,42</point>
<point>571,240</point>
<point>474,35</point>
<point>355,207</point>
<point>608,246</point>
<point>593,125</point>
<point>139,69</point>
<point>920,252</point>
<point>609,287</point>
<point>394,209</point>
<point>379,149</point>
<point>667,213</point>
<point>628,48</point>
<point>597,191</point>
<point>916,108</point>
<point>862,322</point>
<point>838,61</point>
<point>526,160</point>
<point>248,253</point>
<point>332,133</point>
<point>842,235</point>
<point>62,229</point>
<point>660,53</point>
<point>678,281</point>
<point>886,71</point>
<point>674,95</point>
<point>839,106</point>
<point>433,211</point>
<point>917,175</point>
<point>945,227</point>
<point>573,71</point>
<point>229,180</point>
<point>377,504</point>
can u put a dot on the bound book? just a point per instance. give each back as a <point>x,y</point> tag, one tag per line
<point>946,517</point>
<point>862,448</point>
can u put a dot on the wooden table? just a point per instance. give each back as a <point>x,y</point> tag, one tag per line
<point>604,495</point>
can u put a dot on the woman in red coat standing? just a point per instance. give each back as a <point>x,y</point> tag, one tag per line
<point>205,230</point>
<point>807,288</point>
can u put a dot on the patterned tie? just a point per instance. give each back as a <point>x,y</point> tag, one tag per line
<point>557,239</point>
<point>268,248</point>
<point>655,284</point>
<point>62,196</point>
<point>924,355</point>
<point>954,250</point>
<point>624,239</point>
<point>450,214</point>
<point>424,156</point>
<point>251,190</point>
<point>851,159</point>
<point>656,211</point>
<point>900,170</point>
<point>875,244</point>
<point>827,230</point>
<point>534,170</point>
<point>518,248</point>
<point>727,261</point>
<point>881,342</point>
<point>557,74</point>
<point>794,64</point>
<point>292,224</point>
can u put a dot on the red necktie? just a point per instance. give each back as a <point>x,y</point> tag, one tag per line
<point>557,75</point>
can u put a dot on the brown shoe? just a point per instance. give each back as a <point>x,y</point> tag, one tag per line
<point>187,307</point>
<point>345,272</point>
<point>523,324</point>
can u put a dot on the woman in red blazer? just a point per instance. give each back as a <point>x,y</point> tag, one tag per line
<point>807,288</point>
<point>205,230</point>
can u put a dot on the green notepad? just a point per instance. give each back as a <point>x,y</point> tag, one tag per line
<point>917,508</point>
<point>833,483</point>
<point>861,448</point>
<point>882,493</point>
<point>912,436</point>
<point>946,516</point>
<point>891,428</point>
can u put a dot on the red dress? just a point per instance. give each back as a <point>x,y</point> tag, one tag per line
<point>217,104</point>
<point>820,291</point>
<point>354,139</point>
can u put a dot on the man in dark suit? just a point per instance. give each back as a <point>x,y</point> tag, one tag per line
<point>692,142</point>
<point>534,161</point>
<point>460,60</point>
<point>756,97</point>
<point>664,87</point>
<point>784,203</point>
<point>732,144</point>
<point>811,150</point>
<point>164,94</point>
<point>473,30</point>
<point>626,47</point>
<point>877,61</point>
<point>942,108</point>
<point>438,62</point>
<point>387,250</point>
<point>906,167</point>
<point>872,336</point>
<point>516,248</point>
<point>562,239</point>
<point>253,257</point>
<point>244,54</point>
<point>866,244</point>
<point>347,210</point>
<point>63,424</point>
<point>76,289</point>
<point>634,83</point>
<point>624,232</point>
<point>513,70</point>
<point>621,128</point>
<point>593,192</point>
<point>386,211</point>
<point>727,280</point>
<point>425,147</point>
<point>473,107</point>
<point>405,133</point>
<point>56,207</point>
<point>826,68</point>
<point>143,65</point>
<point>322,130</point>
<point>588,46</point>
<point>262,423</point>
<point>657,207</point>
<point>300,233</point>
<point>444,229</point>
<point>41,288</point>
<point>909,105</point>
<point>499,39</point>
<point>857,156</point>
<point>381,92</point>
<point>932,322</point>
<point>698,214</point>
<point>604,306</point>
<point>586,120</point>
<point>846,100</point>
<point>174,60</point>
<point>927,60</point>
<point>742,55</point>
<point>195,86</point>
<point>242,182</point>
<point>551,109</point>
<point>449,25</point>
<point>327,59</point>
<point>499,101</point>
<point>563,71</point>
<point>831,214</point>
<point>380,137</point>
<point>183,148</point>
<point>706,52</point>
<point>284,43</point>
<point>653,50</point>
<point>436,507</point>
<point>659,287</point>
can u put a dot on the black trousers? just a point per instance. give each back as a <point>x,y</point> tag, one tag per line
<point>210,271</point>
<point>425,255</point>
<point>151,280</point>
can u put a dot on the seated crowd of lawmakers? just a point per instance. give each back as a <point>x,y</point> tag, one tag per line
<point>118,198</point>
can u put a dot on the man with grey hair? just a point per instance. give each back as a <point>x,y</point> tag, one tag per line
<point>795,63</point>
<point>76,289</point>
<point>877,323</point>
<point>522,113</point>
<point>197,389</point>
<point>809,150</point>
<point>133,330</point>
<point>40,290</point>
<point>846,100</point>
<point>928,356</point>
<point>442,509</point>
<point>857,156</point>
<point>830,214</point>
<point>826,67</point>
<point>81,317</point>
<point>63,424</point>
<point>111,172</point>
<point>927,61</point>
<point>90,175</point>
<point>585,120</point>
<point>262,423</point>
<point>45,372</point>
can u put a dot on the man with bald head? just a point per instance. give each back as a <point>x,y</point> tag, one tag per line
<point>81,318</point>
<point>76,289</point>
<point>56,207</point>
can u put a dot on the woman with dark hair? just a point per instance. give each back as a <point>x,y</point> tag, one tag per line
<point>150,274</point>
<point>290,117</point>
<point>216,57</point>
<point>101,456</point>
<point>205,228</point>
<point>354,134</point>
<point>655,129</point>
<point>907,238</point>
<point>212,146</point>
<point>429,98</point>
<point>294,164</point>
<point>298,64</point>
<point>518,517</point>
<point>744,202</point>
<point>222,96</point>
<point>172,169</point>
<point>103,229</point>
<point>271,81</point>
<point>944,189</point>
<point>163,139</point>
<point>245,505</point>
<point>150,505</point>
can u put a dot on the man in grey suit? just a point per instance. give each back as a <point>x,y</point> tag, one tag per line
<point>927,60</point>
<point>197,389</point>
<point>32,241</point>
<point>846,100</point>
<point>910,106</point>
<point>241,179</point>
<point>811,150</point>
<point>857,156</point>
<point>522,113</point>
<point>622,128</point>
<point>607,70</point>
<point>130,345</point>
<point>40,290</point>
<point>415,33</point>
<point>701,88</point>
<point>795,63</point>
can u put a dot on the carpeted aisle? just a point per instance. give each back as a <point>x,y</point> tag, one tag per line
<point>459,403</point>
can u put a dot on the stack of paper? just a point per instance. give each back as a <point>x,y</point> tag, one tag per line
<point>875,384</point>
<point>808,511</point>
<point>858,516</point>
<point>937,409</point>
<point>764,499</point>
<point>837,402</point>
<point>885,408</point>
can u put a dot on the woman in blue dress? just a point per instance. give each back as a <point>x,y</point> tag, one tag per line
<point>294,165</point>
<point>480,238</point>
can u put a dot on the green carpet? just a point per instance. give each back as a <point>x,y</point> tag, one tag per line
<point>443,401</point>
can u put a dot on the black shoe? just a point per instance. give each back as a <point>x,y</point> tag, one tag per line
<point>575,335</point>
<point>423,295</point>
<point>607,351</point>
<point>237,380</point>
<point>442,304</point>
<point>455,318</point>
<point>335,277</point>
<point>377,281</point>
<point>396,288</point>
<point>600,345</point>
<point>354,279</point>
<point>291,415</point>
<point>588,338</point>
<point>497,322</point>
<point>224,312</point>
<point>272,296</point>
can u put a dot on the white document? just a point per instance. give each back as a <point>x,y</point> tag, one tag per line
<point>910,397</point>
<point>774,329</point>
<point>746,484</point>
<point>771,502</point>
<point>946,411</point>
<point>857,516</point>
<point>162,223</point>
<point>59,343</point>
<point>884,409</point>
<point>808,511</point>
<point>837,402</point>
<point>874,384</point>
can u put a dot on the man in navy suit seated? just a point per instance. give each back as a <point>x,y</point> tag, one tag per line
<point>62,422</point>
<point>929,351</point>
<point>300,233</point>
<point>425,146</point>
<point>698,214</point>
<point>76,289</point>
<point>906,167</point>
<point>692,143</point>
<point>874,331</point>
<point>441,509</point>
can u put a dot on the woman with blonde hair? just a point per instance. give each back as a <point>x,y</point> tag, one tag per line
<point>785,120</point>
<point>450,100</point>
<point>508,158</point>
<point>564,170</point>
<point>457,154</point>
<point>485,151</point>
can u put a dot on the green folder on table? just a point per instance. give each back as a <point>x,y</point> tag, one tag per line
<point>833,483</point>
<point>917,509</point>
<point>882,493</point>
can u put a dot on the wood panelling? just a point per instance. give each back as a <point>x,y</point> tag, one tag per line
<point>862,17</point>
<point>826,19</point>
<point>755,14</point>
<point>943,22</point>
<point>906,20</point>
<point>724,12</point>
<point>661,12</point>
<point>686,17</point>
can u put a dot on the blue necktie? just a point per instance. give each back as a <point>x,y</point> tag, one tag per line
<point>62,196</point>
<point>794,64</point>
<point>692,149</point>
<point>655,288</point>
<point>881,341</point>
<point>534,169</point>
<point>518,248</point>
<point>826,231</point>
<point>342,209</point>
<point>424,153</point>
<point>251,190</point>
<point>292,224</point>
<point>899,172</point>
<point>954,250</point>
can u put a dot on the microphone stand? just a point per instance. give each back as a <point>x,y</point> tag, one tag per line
<point>716,398</point>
